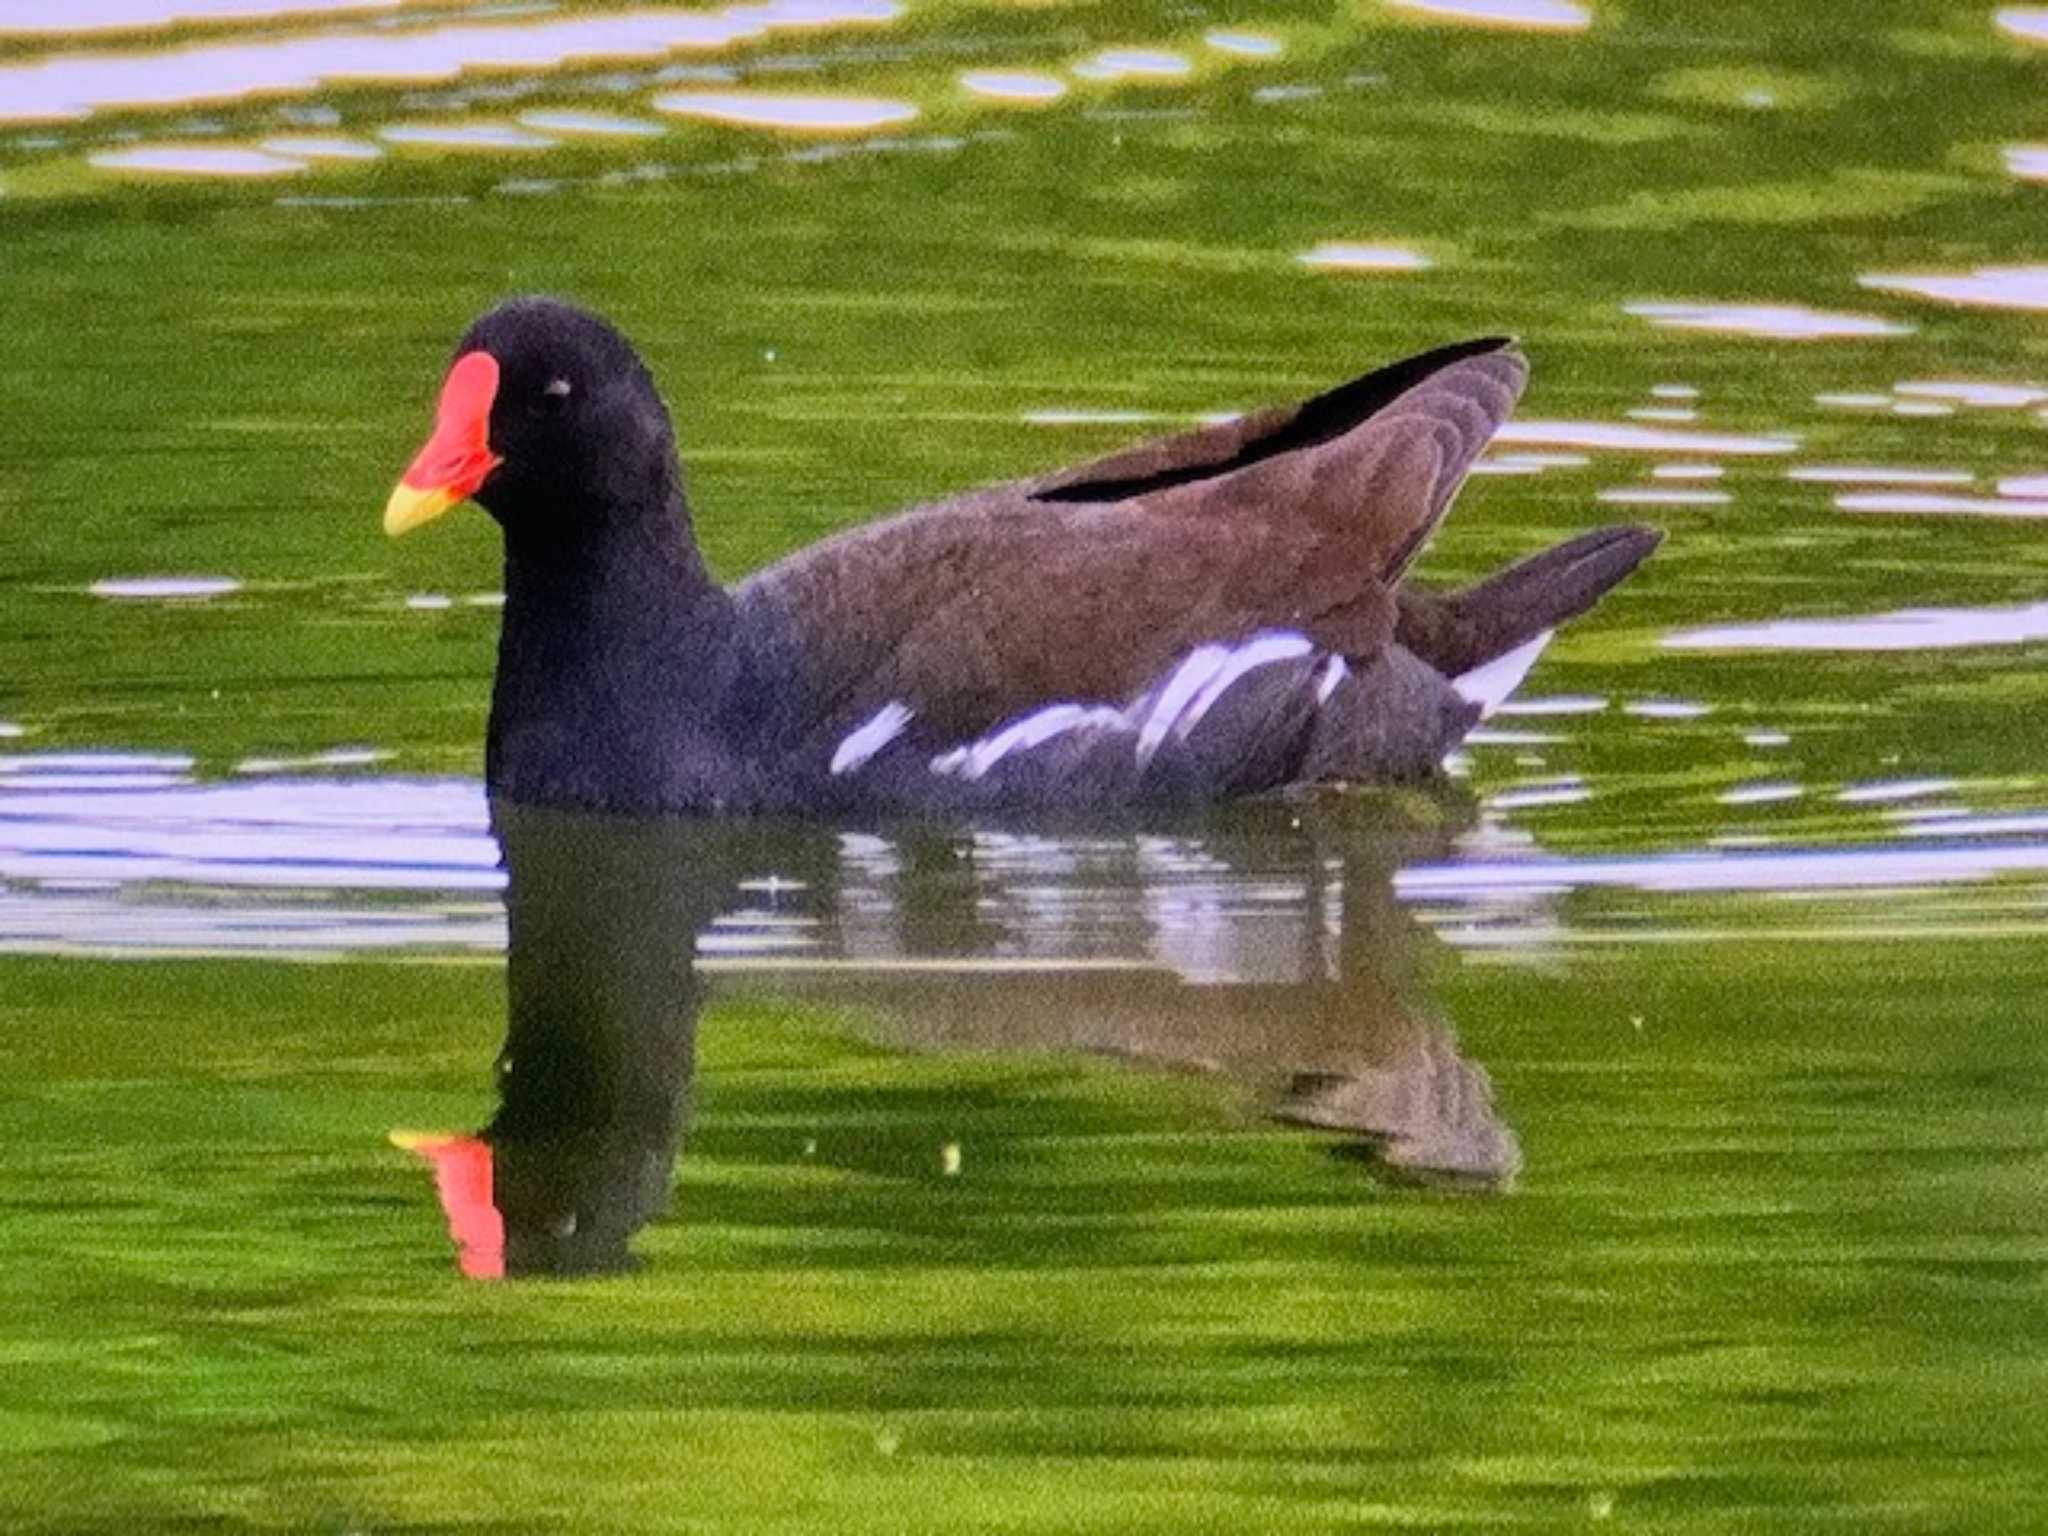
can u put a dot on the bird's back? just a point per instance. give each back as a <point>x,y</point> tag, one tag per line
<point>1088,584</point>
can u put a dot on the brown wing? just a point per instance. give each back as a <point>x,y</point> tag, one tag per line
<point>972,618</point>
<point>1086,584</point>
<point>1379,458</point>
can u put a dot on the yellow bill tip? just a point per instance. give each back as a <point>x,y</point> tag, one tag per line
<point>409,507</point>
<point>422,1142</point>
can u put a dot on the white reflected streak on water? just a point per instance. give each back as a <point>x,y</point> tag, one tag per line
<point>319,147</point>
<point>1554,704</point>
<point>1789,870</point>
<point>795,113</point>
<point>1353,256</point>
<point>1983,394</point>
<point>1629,438</point>
<point>1877,474</point>
<point>75,85</point>
<point>2019,287</point>
<point>1012,85</point>
<point>1885,790</point>
<point>1061,416</point>
<point>329,835</point>
<point>115,925</point>
<point>97,781</point>
<point>591,124</point>
<point>1941,506</point>
<point>1570,790</point>
<point>1512,942</point>
<point>122,853</point>
<point>1527,463</point>
<point>1763,793</point>
<point>464,136</point>
<point>1908,629</point>
<point>32,763</point>
<point>1661,496</point>
<point>2026,22</point>
<point>1773,322</point>
<point>1251,45</point>
<point>45,19</point>
<point>1133,64</point>
<point>1667,709</point>
<point>183,587</point>
<point>338,757</point>
<point>2019,824</point>
<point>190,160</point>
<point>1921,814</point>
<point>1538,15</point>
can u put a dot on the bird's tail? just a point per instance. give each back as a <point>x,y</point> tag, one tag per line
<point>1459,631</point>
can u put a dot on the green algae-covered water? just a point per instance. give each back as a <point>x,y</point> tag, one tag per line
<point>1648,1132</point>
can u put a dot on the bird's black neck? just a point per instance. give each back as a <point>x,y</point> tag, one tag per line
<point>613,662</point>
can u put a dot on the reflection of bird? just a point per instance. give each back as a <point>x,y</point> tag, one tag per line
<point>1208,615</point>
<point>1263,941</point>
<point>602,915</point>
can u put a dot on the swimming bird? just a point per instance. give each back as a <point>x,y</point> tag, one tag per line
<point>1209,615</point>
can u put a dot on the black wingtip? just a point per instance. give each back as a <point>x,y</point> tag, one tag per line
<point>1320,419</point>
<point>1607,555</point>
<point>1550,588</point>
<point>1576,574</point>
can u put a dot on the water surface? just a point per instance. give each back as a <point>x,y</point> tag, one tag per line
<point>1037,1179</point>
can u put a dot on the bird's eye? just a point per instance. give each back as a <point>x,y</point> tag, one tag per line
<point>557,389</point>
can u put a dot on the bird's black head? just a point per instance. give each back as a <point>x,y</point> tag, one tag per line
<point>548,420</point>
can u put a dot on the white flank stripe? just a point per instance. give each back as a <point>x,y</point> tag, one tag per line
<point>865,741</point>
<point>1190,691</point>
<point>1260,652</point>
<point>1187,681</point>
<point>1490,684</point>
<point>1333,674</point>
<point>1021,735</point>
<point>977,758</point>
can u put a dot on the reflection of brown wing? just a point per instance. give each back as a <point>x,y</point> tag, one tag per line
<point>1425,1107</point>
<point>1085,585</point>
<point>1318,1004</point>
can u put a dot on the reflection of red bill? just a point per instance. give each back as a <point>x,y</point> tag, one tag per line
<point>457,459</point>
<point>462,1178</point>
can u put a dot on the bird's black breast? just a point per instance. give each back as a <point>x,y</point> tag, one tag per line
<point>625,707</point>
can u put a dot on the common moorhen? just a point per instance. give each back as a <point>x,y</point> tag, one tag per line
<point>1208,615</point>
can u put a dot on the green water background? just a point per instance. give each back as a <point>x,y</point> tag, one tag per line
<point>1777,1258</point>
